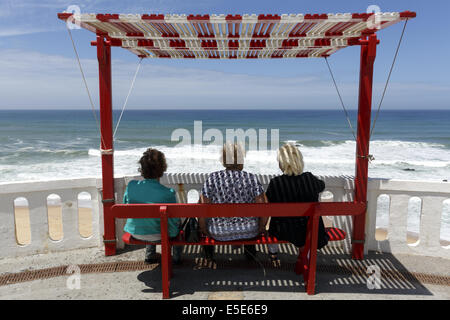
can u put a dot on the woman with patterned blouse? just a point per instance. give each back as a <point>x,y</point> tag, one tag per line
<point>232,185</point>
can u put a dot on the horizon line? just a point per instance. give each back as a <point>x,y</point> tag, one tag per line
<point>225,109</point>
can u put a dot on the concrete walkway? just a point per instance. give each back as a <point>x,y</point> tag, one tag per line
<point>338,277</point>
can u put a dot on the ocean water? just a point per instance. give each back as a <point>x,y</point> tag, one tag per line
<point>45,144</point>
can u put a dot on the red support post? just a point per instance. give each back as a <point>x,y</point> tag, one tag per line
<point>368,54</point>
<point>106,136</point>
<point>312,261</point>
<point>166,264</point>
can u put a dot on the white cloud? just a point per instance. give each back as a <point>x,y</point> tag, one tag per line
<point>20,17</point>
<point>33,79</point>
<point>36,80</point>
<point>11,32</point>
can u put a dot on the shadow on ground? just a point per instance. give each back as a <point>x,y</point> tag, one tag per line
<point>336,273</point>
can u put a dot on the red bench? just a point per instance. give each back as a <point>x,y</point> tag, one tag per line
<point>306,261</point>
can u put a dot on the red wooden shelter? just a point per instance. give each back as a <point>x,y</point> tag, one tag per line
<point>238,37</point>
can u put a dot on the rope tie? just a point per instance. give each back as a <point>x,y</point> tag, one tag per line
<point>128,95</point>
<point>389,77</point>
<point>102,151</point>
<point>340,99</point>
<point>106,152</point>
<point>85,84</point>
<point>369,157</point>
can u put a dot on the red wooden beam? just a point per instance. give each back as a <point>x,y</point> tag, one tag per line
<point>177,210</point>
<point>106,136</point>
<point>368,54</point>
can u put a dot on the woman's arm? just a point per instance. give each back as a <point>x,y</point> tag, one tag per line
<point>125,198</point>
<point>321,185</point>
<point>318,184</point>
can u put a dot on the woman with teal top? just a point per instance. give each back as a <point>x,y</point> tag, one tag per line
<point>152,167</point>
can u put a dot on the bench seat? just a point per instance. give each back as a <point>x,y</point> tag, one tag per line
<point>334,234</point>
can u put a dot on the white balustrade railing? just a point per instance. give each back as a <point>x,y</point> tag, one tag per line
<point>36,194</point>
<point>432,195</point>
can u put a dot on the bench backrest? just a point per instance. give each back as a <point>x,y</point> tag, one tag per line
<point>238,210</point>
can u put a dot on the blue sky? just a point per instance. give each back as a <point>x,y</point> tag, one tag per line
<point>39,70</point>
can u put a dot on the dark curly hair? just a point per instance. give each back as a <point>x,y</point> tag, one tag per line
<point>153,164</point>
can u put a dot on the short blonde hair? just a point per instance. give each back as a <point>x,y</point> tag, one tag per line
<point>290,160</point>
<point>233,156</point>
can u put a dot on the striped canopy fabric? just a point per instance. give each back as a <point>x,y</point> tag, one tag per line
<point>235,36</point>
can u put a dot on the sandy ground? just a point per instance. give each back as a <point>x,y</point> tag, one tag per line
<point>55,225</point>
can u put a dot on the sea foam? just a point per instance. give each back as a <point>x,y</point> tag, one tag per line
<point>393,160</point>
